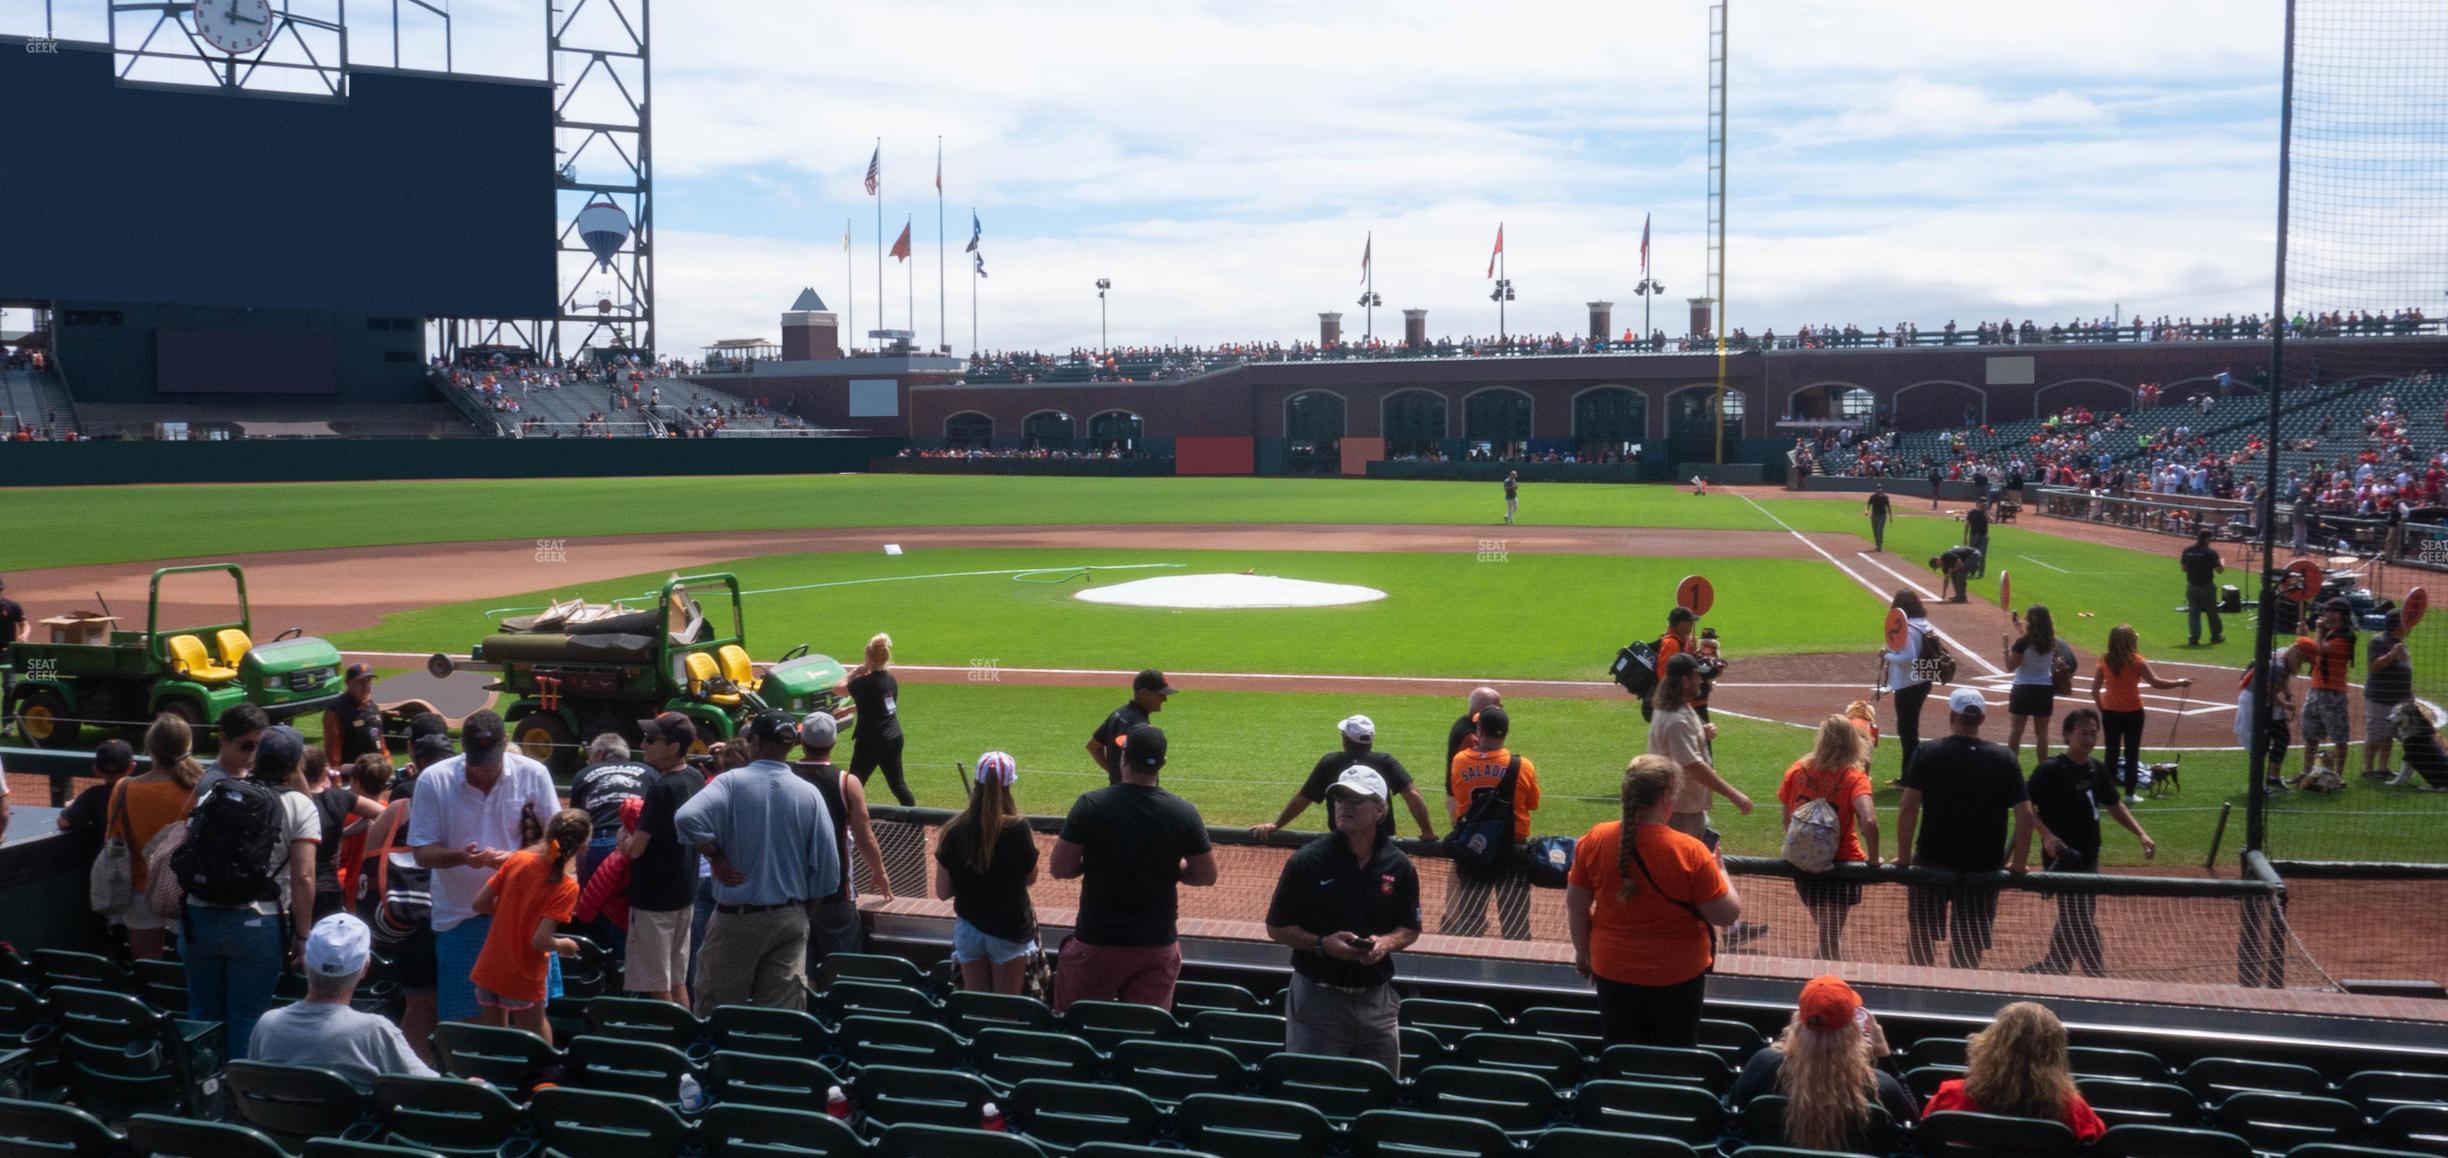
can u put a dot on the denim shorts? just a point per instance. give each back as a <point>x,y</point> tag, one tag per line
<point>969,944</point>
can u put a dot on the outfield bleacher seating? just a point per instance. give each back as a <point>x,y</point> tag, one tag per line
<point>38,400</point>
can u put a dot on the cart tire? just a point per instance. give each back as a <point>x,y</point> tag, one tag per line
<point>187,711</point>
<point>546,737</point>
<point>43,719</point>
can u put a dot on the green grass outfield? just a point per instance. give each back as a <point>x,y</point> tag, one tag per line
<point>1531,616</point>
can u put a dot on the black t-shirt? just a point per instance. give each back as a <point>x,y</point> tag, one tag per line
<point>12,617</point>
<point>1459,736</point>
<point>1960,555</point>
<point>2393,684</point>
<point>997,900</point>
<point>361,729</point>
<point>600,788</point>
<point>1135,837</point>
<point>1332,765</point>
<point>332,809</point>
<point>827,780</point>
<point>1880,504</point>
<point>88,820</point>
<point>1968,789</point>
<point>1117,724</point>
<point>878,698</point>
<point>666,877</point>
<point>2068,796</point>
<point>1324,890</point>
<point>2200,565</point>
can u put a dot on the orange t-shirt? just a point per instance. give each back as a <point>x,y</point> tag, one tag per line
<point>1649,939</point>
<point>1473,770</point>
<point>2329,662</point>
<point>1805,781</point>
<point>524,894</point>
<point>2121,691</point>
<point>148,809</point>
<point>1670,647</point>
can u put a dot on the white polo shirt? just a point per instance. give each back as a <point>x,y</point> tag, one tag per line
<point>445,811</point>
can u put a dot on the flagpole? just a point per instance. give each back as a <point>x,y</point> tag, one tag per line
<point>879,200</point>
<point>1368,328</point>
<point>942,331</point>
<point>1502,279</point>
<point>973,280</point>
<point>849,291</point>
<point>909,284</point>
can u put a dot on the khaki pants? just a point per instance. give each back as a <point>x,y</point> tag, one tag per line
<point>754,959</point>
<point>1321,1019</point>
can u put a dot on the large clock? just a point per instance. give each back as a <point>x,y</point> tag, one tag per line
<point>234,26</point>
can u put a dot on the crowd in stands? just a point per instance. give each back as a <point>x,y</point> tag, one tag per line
<point>1036,453</point>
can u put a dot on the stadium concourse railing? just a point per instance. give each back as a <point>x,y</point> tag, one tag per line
<point>2419,543</point>
<point>2165,930</point>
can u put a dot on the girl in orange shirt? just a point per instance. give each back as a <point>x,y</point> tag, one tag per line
<point>2116,689</point>
<point>529,897</point>
<point>1643,904</point>
<point>1833,772</point>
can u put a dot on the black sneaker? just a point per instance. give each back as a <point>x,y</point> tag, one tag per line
<point>2216,640</point>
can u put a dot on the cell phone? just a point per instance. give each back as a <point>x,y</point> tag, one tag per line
<point>1364,944</point>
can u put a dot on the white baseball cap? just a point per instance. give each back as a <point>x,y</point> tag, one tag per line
<point>1358,729</point>
<point>338,945</point>
<point>1967,701</point>
<point>1359,780</point>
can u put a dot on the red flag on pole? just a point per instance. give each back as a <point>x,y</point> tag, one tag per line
<point>901,248</point>
<point>1499,249</point>
<point>1644,243</point>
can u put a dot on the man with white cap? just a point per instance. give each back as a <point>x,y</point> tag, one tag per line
<point>1345,904</point>
<point>833,920</point>
<point>1359,739</point>
<point>1969,787</point>
<point>323,1030</point>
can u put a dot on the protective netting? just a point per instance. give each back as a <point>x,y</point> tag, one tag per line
<point>2139,929</point>
<point>2367,172</point>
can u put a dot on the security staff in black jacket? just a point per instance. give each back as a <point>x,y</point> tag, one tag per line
<point>1346,903</point>
<point>353,727</point>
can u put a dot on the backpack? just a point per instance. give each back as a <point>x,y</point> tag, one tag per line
<point>1935,661</point>
<point>1549,860</point>
<point>231,839</point>
<point>2061,670</point>
<point>1636,668</point>
<point>1484,834</point>
<point>1811,838</point>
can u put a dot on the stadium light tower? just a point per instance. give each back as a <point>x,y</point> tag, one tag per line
<point>1500,295</point>
<point>1103,284</point>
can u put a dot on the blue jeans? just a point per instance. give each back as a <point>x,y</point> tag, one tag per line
<point>234,959</point>
<point>703,913</point>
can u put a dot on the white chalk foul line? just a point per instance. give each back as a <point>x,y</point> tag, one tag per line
<point>1867,585</point>
<point>2047,564</point>
<point>1901,577</point>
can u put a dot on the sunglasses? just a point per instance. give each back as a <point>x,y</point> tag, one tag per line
<point>244,745</point>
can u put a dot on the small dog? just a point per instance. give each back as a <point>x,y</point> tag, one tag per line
<point>2419,736</point>
<point>1865,720</point>
<point>2165,778</point>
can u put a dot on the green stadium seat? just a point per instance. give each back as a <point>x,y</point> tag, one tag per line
<point>2276,1122</point>
<point>1405,1134</point>
<point>1578,1026</point>
<point>1250,1036</point>
<point>2121,1103</point>
<point>156,1136</point>
<point>593,972</point>
<point>1228,1126</point>
<point>585,1123</point>
<point>511,1059</point>
<point>771,1032</point>
<point>1556,1062</point>
<point>1958,1134</point>
<point>2212,1079</point>
<point>1666,1063</point>
<point>2171,1142</point>
<point>1342,1088</point>
<point>1516,1102</point>
<point>445,1115</point>
<point>872,967</point>
<point>739,1131</point>
<point>1576,1142</point>
<point>868,1039</point>
<point>343,1148</point>
<point>162,984</point>
<point>972,1012</point>
<point>2379,1091</point>
<point>1420,1049</point>
<point>1735,1041</point>
<point>125,1057</point>
<point>57,967</point>
<point>1064,1116</point>
<point>851,996</point>
<point>736,1077</point>
<point>40,1128</point>
<point>1173,1071</point>
<point>919,1140</point>
<point>1796,1152</point>
<point>1117,1150</point>
<point>1685,1113</point>
<point>1008,1057</point>
<point>1194,997</point>
<point>1106,1024</point>
<point>1762,1123</point>
<point>293,1103</point>
<point>891,1095</point>
<point>1924,1081</point>
<point>613,1065</point>
<point>2349,1150</point>
<point>2419,1128</point>
<point>646,1019</point>
<point>1451,1021</point>
<point>2130,1064</point>
<point>1937,1051</point>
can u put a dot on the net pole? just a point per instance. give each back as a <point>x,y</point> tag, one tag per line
<point>2256,819</point>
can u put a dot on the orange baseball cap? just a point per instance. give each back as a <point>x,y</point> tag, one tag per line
<point>1828,1003</point>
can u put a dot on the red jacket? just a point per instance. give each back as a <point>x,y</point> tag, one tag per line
<point>2078,1117</point>
<point>607,892</point>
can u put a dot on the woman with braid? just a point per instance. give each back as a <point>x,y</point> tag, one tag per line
<point>1645,903</point>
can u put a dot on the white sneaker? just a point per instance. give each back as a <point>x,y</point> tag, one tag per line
<point>2136,798</point>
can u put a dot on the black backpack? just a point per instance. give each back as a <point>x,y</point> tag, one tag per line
<point>231,839</point>
<point>1636,668</point>
<point>1483,837</point>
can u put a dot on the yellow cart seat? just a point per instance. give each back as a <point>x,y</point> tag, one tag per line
<point>702,670</point>
<point>234,645</point>
<point>737,668</point>
<point>188,658</point>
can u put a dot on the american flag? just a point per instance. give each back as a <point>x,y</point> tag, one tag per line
<point>875,169</point>
<point>1365,249</point>
<point>1644,243</point>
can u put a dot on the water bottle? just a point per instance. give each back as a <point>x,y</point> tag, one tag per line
<point>837,1103</point>
<point>692,1095</point>
<point>994,1118</point>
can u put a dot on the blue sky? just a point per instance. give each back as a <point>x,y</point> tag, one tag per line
<point>1221,163</point>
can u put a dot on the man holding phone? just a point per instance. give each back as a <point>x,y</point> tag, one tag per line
<point>1345,904</point>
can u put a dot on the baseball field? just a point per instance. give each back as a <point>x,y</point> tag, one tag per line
<point>996,652</point>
